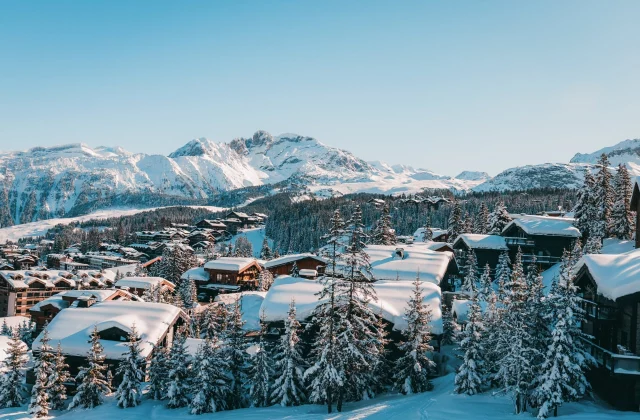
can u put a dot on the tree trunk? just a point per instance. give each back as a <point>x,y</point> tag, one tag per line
<point>329,403</point>
<point>555,411</point>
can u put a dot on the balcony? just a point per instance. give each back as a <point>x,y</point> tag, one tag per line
<point>521,242</point>
<point>620,364</point>
<point>540,259</point>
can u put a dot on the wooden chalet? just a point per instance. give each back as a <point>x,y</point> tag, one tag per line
<point>139,285</point>
<point>211,224</point>
<point>486,247</point>
<point>20,290</point>
<point>230,273</point>
<point>284,265</point>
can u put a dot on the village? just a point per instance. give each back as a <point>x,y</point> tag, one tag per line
<point>196,317</point>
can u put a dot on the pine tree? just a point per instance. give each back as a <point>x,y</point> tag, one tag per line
<point>414,366</point>
<point>131,369</point>
<point>498,219</point>
<point>265,280</point>
<point>11,383</point>
<point>243,248</point>
<point>179,374</point>
<point>381,365</point>
<point>211,383</point>
<point>482,220</point>
<point>384,234</point>
<point>326,376</point>
<point>594,244</point>
<point>288,388</point>
<point>470,375</point>
<point>427,232</point>
<point>261,372</point>
<point>26,332</point>
<point>43,370</point>
<point>159,373</point>
<point>266,253</point>
<point>5,329</point>
<point>566,358</point>
<point>470,284</point>
<point>503,274</point>
<point>140,271</point>
<point>236,356</point>
<point>491,339</point>
<point>91,391</point>
<point>188,293</point>
<point>585,210</point>
<point>334,240</point>
<point>604,198</point>
<point>60,374</point>
<point>486,284</point>
<point>623,223</point>
<point>449,326</point>
<point>295,272</point>
<point>455,222</point>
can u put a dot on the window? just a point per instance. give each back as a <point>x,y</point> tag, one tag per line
<point>218,277</point>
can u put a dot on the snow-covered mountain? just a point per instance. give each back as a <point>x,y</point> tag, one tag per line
<point>43,183</point>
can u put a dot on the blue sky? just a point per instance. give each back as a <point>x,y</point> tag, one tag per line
<point>445,85</point>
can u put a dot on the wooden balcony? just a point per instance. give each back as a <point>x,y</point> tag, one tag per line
<point>521,242</point>
<point>540,259</point>
<point>617,364</point>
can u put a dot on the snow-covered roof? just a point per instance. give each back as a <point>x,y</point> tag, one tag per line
<point>250,303</point>
<point>73,326</point>
<point>57,300</point>
<point>393,297</point>
<point>436,232</point>
<point>229,263</point>
<point>617,246</point>
<point>477,241</point>
<point>22,279</point>
<point>291,258</point>
<point>389,263</point>
<point>143,282</point>
<point>195,274</point>
<point>615,275</point>
<point>545,225</point>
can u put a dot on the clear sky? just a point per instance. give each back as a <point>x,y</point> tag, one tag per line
<point>444,85</point>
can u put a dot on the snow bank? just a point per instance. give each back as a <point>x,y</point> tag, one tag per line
<point>13,321</point>
<point>393,297</point>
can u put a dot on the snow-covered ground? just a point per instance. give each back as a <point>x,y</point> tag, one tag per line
<point>40,228</point>
<point>439,404</point>
<point>255,236</point>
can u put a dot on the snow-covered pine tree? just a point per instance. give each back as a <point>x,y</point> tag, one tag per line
<point>243,247</point>
<point>210,383</point>
<point>604,196</point>
<point>188,293</point>
<point>566,358</point>
<point>486,284</point>
<point>131,369</point>
<point>326,377</point>
<point>261,372</point>
<point>468,224</point>
<point>265,280</point>
<point>59,375</point>
<point>295,272</point>
<point>140,271</point>
<point>93,385</point>
<point>288,388</point>
<point>503,274</point>
<point>585,210</point>
<point>492,321</point>
<point>5,329</point>
<point>266,253</point>
<point>482,220</point>
<point>413,367</point>
<point>455,227</point>
<point>335,242</point>
<point>427,232</point>
<point>384,234</point>
<point>237,357</point>
<point>516,371</point>
<point>594,243</point>
<point>11,382</point>
<point>470,284</point>
<point>622,219</point>
<point>381,366</point>
<point>40,405</point>
<point>449,326</point>
<point>498,219</point>
<point>26,332</point>
<point>159,373</point>
<point>179,374</point>
<point>576,252</point>
<point>471,373</point>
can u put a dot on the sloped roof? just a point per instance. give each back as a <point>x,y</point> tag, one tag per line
<point>616,275</point>
<point>143,282</point>
<point>477,241</point>
<point>545,225</point>
<point>230,263</point>
<point>72,327</point>
<point>291,258</point>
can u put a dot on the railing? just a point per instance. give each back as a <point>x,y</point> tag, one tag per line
<point>540,259</point>
<point>597,311</point>
<point>511,240</point>
<point>616,363</point>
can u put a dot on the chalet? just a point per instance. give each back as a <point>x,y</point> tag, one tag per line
<point>542,237</point>
<point>230,274</point>
<point>151,249</point>
<point>138,285</point>
<point>437,235</point>
<point>20,290</point>
<point>72,327</point>
<point>284,265</point>
<point>99,261</point>
<point>96,278</point>
<point>200,235</point>
<point>211,224</point>
<point>486,247</point>
<point>243,219</point>
<point>610,288</point>
<point>43,312</point>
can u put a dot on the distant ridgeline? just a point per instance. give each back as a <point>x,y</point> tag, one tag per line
<point>299,226</point>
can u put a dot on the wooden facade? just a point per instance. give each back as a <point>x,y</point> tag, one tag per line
<point>547,249</point>
<point>18,300</point>
<point>304,263</point>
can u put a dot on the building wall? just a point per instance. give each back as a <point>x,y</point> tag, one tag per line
<point>303,264</point>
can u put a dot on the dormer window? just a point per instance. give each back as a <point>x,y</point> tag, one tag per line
<point>114,334</point>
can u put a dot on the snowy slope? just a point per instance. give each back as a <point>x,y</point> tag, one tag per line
<point>73,179</point>
<point>627,151</point>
